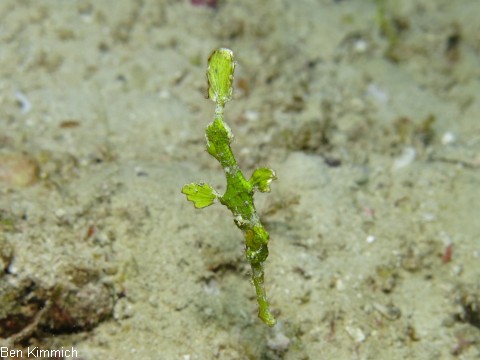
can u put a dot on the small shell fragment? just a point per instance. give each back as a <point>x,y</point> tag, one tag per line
<point>355,333</point>
<point>390,311</point>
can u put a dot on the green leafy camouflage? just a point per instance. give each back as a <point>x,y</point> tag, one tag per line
<point>238,196</point>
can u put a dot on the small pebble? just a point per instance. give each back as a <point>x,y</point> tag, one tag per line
<point>376,92</point>
<point>279,342</point>
<point>122,310</point>
<point>251,115</point>
<point>18,170</point>
<point>448,138</point>
<point>360,46</point>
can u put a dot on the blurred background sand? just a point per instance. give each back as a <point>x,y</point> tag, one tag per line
<point>367,110</point>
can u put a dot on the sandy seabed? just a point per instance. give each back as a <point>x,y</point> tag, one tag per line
<point>369,112</point>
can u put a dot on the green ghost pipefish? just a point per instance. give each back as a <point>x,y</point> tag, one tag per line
<point>238,197</point>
